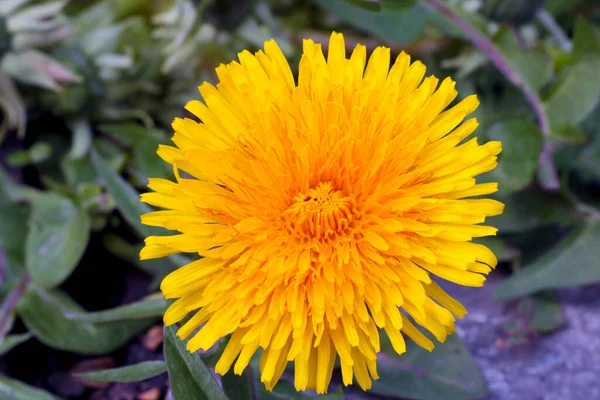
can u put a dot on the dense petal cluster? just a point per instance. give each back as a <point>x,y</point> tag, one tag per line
<point>321,209</point>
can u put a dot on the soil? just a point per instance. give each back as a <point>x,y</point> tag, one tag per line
<point>562,365</point>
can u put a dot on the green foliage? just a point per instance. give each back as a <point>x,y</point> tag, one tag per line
<point>58,235</point>
<point>147,308</point>
<point>190,378</point>
<point>12,341</point>
<point>521,145</point>
<point>43,313</point>
<point>389,24</point>
<point>448,372</point>
<point>532,66</point>
<point>88,90</point>
<point>238,387</point>
<point>130,373</point>
<point>573,262</point>
<point>15,390</point>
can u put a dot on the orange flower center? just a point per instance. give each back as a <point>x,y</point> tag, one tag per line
<point>323,213</point>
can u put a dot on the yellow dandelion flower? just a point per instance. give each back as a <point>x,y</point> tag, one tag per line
<point>321,209</point>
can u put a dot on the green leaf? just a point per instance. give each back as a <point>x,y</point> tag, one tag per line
<point>128,202</point>
<point>130,373</point>
<point>126,197</point>
<point>58,235</point>
<point>577,89</point>
<point>376,5</point>
<point>573,262</point>
<point>43,312</point>
<point>447,373</point>
<point>401,25</point>
<point>78,171</point>
<point>144,142</point>
<point>371,5</point>
<point>147,308</point>
<point>82,139</point>
<point>588,162</point>
<point>11,389</point>
<point>532,208</point>
<point>12,341</point>
<point>569,134</point>
<point>586,39</point>
<point>14,218</point>
<point>521,145</point>
<point>548,313</point>
<point>284,390</point>
<point>559,7</point>
<point>533,66</point>
<point>37,153</point>
<point>576,92</point>
<point>189,377</point>
<point>238,387</point>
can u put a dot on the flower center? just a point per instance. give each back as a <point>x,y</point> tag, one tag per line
<point>322,213</point>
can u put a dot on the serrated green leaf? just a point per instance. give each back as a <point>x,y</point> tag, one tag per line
<point>401,25</point>
<point>130,373</point>
<point>573,262</point>
<point>12,389</point>
<point>43,312</point>
<point>521,145</point>
<point>533,66</point>
<point>58,235</point>
<point>447,373</point>
<point>11,341</point>
<point>189,377</point>
<point>147,308</point>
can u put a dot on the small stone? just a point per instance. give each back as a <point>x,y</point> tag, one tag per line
<point>154,337</point>
<point>152,394</point>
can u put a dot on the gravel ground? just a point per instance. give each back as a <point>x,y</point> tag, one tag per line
<point>562,365</point>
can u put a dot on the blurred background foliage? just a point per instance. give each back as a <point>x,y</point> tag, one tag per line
<point>88,90</point>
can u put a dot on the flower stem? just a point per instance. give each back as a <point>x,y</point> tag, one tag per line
<point>546,170</point>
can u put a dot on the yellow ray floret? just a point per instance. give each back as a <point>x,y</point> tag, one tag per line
<point>321,209</point>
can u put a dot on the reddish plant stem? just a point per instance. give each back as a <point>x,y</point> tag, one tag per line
<point>10,303</point>
<point>3,273</point>
<point>483,43</point>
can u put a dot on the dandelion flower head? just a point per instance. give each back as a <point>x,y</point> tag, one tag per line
<point>321,209</point>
